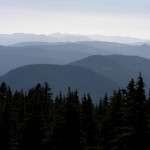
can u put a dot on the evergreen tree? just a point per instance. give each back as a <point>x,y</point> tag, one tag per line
<point>32,120</point>
<point>88,122</point>
<point>141,125</point>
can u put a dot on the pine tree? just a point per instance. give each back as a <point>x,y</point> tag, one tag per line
<point>141,125</point>
<point>88,122</point>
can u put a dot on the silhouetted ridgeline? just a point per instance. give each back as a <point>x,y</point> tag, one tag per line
<point>27,53</point>
<point>35,120</point>
<point>60,78</point>
<point>96,74</point>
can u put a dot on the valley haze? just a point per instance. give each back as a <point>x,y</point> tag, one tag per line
<point>90,64</point>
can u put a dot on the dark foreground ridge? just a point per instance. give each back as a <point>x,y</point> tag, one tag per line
<point>34,120</point>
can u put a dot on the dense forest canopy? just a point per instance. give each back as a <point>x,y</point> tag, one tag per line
<point>35,120</point>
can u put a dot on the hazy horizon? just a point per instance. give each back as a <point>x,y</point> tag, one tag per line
<point>101,17</point>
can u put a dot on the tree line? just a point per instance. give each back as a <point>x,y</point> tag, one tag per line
<point>34,120</point>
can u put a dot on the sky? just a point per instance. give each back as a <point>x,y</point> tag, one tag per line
<point>129,18</point>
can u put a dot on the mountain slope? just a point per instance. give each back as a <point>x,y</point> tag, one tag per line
<point>13,57</point>
<point>110,48</point>
<point>22,54</point>
<point>101,48</point>
<point>60,78</point>
<point>63,53</point>
<point>118,68</point>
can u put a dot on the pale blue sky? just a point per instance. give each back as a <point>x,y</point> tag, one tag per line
<point>107,17</point>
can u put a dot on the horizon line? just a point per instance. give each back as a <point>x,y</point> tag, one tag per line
<point>79,34</point>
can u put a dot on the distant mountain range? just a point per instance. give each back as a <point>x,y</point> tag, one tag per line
<point>28,53</point>
<point>9,39</point>
<point>89,66</point>
<point>95,74</point>
<point>6,39</point>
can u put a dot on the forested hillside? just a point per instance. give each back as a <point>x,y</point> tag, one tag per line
<point>36,120</point>
<point>59,77</point>
<point>119,68</point>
